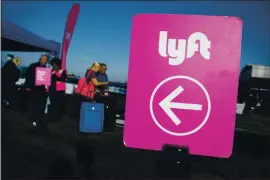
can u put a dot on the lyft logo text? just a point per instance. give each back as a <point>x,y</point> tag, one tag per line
<point>179,50</point>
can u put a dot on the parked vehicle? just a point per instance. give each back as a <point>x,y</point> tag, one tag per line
<point>254,89</point>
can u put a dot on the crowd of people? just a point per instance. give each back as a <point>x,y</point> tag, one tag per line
<point>95,77</point>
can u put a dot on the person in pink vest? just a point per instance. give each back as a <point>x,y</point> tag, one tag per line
<point>57,90</point>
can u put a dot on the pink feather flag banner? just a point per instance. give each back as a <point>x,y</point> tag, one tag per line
<point>69,29</point>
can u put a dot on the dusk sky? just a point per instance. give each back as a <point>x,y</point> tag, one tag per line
<point>103,28</point>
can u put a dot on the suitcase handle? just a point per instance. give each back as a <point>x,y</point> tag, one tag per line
<point>93,109</point>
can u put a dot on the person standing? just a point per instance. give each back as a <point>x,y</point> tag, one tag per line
<point>91,82</point>
<point>37,94</point>
<point>10,75</point>
<point>102,96</point>
<point>57,90</point>
<point>91,77</point>
<point>102,77</point>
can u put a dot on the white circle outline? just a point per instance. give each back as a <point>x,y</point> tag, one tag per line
<point>208,104</point>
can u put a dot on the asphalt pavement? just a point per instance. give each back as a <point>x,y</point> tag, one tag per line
<point>64,152</point>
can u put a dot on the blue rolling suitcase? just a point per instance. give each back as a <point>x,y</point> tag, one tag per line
<point>91,117</point>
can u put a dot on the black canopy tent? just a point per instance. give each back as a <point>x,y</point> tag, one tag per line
<point>16,38</point>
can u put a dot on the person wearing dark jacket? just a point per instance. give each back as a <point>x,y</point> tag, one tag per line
<point>102,77</point>
<point>57,90</point>
<point>10,75</point>
<point>37,94</point>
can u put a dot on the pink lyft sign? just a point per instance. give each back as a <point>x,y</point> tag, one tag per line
<point>182,83</point>
<point>43,76</point>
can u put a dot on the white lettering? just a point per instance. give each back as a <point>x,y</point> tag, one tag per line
<point>41,75</point>
<point>178,50</point>
<point>68,35</point>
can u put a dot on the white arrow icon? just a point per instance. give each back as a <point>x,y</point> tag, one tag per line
<point>166,104</point>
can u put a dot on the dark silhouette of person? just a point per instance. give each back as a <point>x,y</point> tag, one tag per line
<point>57,90</point>
<point>37,95</point>
<point>10,75</point>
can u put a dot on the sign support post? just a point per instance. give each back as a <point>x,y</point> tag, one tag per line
<point>174,162</point>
